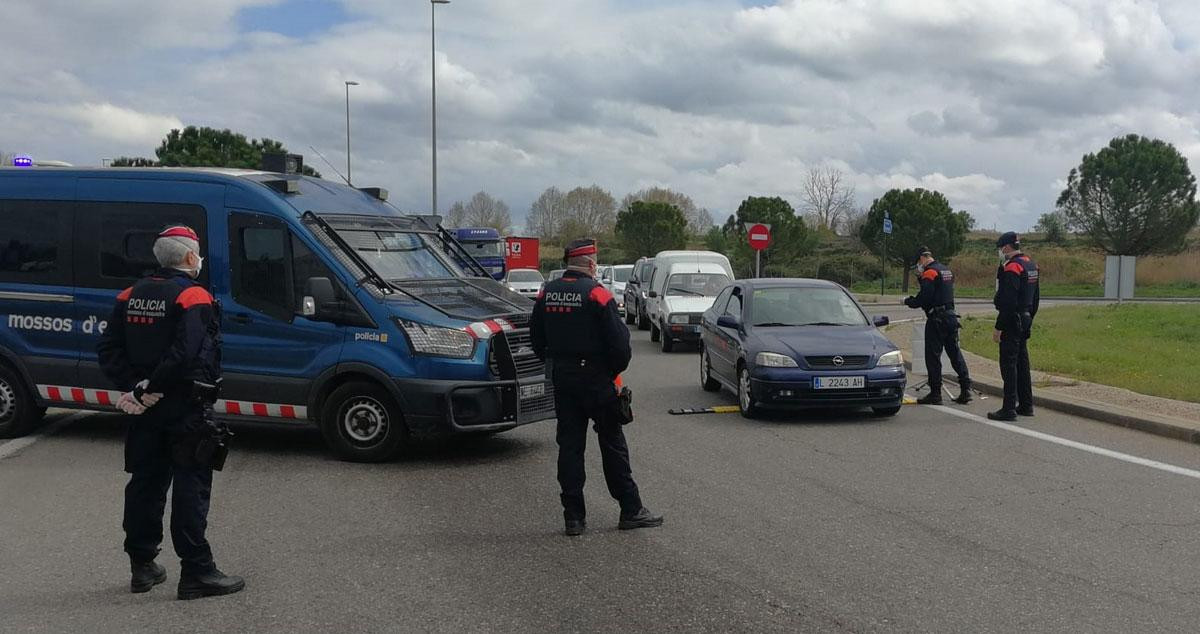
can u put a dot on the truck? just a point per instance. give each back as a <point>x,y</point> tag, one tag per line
<point>338,310</point>
<point>521,253</point>
<point>485,245</point>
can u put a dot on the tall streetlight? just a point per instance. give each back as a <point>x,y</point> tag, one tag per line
<point>348,85</point>
<point>433,66</point>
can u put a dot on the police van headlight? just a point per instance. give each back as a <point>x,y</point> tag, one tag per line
<point>893,358</point>
<point>437,341</point>
<point>679,319</point>
<point>774,360</point>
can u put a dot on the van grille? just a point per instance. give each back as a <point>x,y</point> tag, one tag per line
<point>520,343</point>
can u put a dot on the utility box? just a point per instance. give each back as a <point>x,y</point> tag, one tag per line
<point>1120,275</point>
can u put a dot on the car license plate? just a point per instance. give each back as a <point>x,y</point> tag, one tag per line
<point>839,382</point>
<point>531,391</point>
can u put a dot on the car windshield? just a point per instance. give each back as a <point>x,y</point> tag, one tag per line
<point>621,273</point>
<point>524,275</point>
<point>484,249</point>
<point>397,255</point>
<point>696,284</point>
<point>805,306</point>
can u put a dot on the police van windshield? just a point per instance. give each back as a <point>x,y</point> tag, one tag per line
<point>397,255</point>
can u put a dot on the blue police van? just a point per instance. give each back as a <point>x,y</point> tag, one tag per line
<point>337,309</point>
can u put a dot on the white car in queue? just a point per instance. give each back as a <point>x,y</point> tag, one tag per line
<point>688,289</point>
<point>526,282</point>
<point>614,278</point>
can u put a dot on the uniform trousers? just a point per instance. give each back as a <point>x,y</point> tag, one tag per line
<point>580,395</point>
<point>941,332</point>
<point>1014,369</point>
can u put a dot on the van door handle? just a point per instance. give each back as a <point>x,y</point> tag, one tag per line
<point>241,318</point>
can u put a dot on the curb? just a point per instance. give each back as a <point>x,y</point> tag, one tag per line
<point>1100,412</point>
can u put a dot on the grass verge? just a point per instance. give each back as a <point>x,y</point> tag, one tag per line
<point>1150,349</point>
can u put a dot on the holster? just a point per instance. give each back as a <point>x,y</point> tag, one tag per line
<point>212,446</point>
<point>623,406</point>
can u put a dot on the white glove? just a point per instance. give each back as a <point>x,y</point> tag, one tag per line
<point>130,405</point>
<point>149,399</point>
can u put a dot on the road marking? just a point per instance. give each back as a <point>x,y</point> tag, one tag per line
<point>15,445</point>
<point>1145,462</point>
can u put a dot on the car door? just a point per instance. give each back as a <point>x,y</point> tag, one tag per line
<point>271,353</point>
<point>116,224</point>
<point>709,336</point>
<point>727,341</point>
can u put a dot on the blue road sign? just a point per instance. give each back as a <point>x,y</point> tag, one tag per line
<point>887,225</point>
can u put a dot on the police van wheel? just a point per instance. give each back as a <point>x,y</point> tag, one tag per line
<point>18,411</point>
<point>361,423</point>
<point>707,382</point>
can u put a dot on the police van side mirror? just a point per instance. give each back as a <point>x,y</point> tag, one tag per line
<point>319,297</point>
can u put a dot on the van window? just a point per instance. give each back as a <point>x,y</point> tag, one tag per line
<point>306,264</point>
<point>261,271</point>
<point>124,250</point>
<point>35,244</point>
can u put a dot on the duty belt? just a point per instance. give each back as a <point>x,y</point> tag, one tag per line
<point>941,309</point>
<point>582,362</point>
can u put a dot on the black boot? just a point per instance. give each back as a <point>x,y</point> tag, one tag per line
<point>642,519</point>
<point>1003,414</point>
<point>934,397</point>
<point>1025,411</point>
<point>145,576</point>
<point>209,584</point>
<point>964,393</point>
<point>575,527</point>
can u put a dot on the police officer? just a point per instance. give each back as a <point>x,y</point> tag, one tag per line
<point>1017,297</point>
<point>577,330</point>
<point>162,341</point>
<point>936,298</point>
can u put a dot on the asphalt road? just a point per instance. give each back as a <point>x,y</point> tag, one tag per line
<point>929,521</point>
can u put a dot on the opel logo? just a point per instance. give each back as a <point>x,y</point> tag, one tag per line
<point>838,360</point>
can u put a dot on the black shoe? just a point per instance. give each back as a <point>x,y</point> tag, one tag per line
<point>642,519</point>
<point>210,584</point>
<point>146,576</point>
<point>1025,411</point>
<point>964,395</point>
<point>575,527</point>
<point>932,398</point>
<point>1003,414</point>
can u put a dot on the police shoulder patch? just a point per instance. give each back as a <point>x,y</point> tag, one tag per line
<point>193,296</point>
<point>600,295</point>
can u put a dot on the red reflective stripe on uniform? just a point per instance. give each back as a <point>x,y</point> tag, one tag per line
<point>78,396</point>
<point>1013,267</point>
<point>618,382</point>
<point>260,409</point>
<point>287,411</point>
<point>193,296</point>
<point>123,296</point>
<point>929,274</point>
<point>54,393</point>
<point>600,295</point>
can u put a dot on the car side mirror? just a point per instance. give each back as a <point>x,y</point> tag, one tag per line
<point>318,297</point>
<point>652,294</point>
<point>729,321</point>
<point>882,321</point>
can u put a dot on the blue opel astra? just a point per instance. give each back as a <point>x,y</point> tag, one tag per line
<point>784,344</point>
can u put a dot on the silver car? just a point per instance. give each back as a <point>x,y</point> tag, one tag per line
<point>527,282</point>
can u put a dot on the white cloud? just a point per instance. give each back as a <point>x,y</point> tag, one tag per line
<point>114,123</point>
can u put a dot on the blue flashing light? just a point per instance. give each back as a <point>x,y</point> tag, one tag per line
<point>22,160</point>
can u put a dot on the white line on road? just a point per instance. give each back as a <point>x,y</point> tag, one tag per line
<point>17,444</point>
<point>1145,462</point>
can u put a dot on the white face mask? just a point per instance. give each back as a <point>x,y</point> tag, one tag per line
<point>1002,254</point>
<point>195,273</point>
<point>920,268</point>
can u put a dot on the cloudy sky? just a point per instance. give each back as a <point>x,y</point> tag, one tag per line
<point>989,101</point>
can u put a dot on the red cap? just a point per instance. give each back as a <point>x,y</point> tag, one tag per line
<point>180,232</point>
<point>587,249</point>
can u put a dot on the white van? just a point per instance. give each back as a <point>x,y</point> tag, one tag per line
<point>684,285</point>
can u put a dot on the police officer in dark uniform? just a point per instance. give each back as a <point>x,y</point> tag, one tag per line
<point>1017,297</point>
<point>577,330</point>
<point>936,298</point>
<point>162,348</point>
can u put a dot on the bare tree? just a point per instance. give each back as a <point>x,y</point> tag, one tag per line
<point>483,210</point>
<point>547,214</point>
<point>853,221</point>
<point>592,210</point>
<point>699,220</point>
<point>828,197</point>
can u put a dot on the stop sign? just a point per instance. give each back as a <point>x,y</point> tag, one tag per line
<point>759,236</point>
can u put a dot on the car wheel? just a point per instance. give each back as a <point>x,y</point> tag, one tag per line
<point>18,410</point>
<point>707,382</point>
<point>668,344</point>
<point>361,423</point>
<point>745,396</point>
<point>886,411</point>
<point>642,319</point>
<point>654,332</point>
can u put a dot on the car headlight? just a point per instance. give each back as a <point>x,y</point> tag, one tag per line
<point>678,319</point>
<point>893,358</point>
<point>438,341</point>
<point>773,360</point>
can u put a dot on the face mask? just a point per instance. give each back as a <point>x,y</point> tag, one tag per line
<point>1002,255</point>
<point>920,268</point>
<point>195,273</point>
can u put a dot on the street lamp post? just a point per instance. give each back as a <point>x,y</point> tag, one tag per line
<point>433,67</point>
<point>348,85</point>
